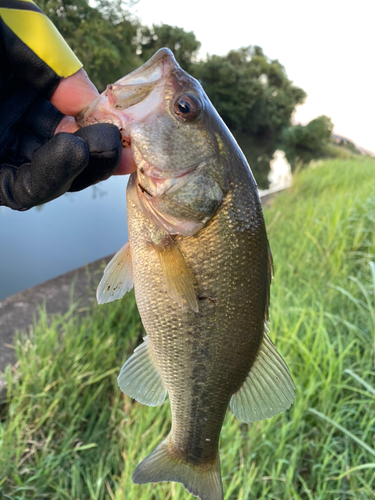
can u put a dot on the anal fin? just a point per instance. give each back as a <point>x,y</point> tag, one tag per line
<point>140,379</point>
<point>117,278</point>
<point>268,389</point>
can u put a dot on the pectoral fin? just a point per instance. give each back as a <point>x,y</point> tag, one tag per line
<point>117,278</point>
<point>268,389</point>
<point>140,379</point>
<point>177,274</point>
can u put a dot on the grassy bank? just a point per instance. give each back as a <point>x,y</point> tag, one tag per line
<point>67,432</point>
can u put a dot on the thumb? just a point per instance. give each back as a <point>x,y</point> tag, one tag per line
<point>74,93</point>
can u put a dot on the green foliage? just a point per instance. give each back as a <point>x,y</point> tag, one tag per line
<point>252,93</point>
<point>342,148</point>
<point>67,432</point>
<point>102,37</point>
<point>66,395</point>
<point>347,144</point>
<point>183,44</point>
<point>303,143</point>
<point>335,151</point>
<point>254,97</point>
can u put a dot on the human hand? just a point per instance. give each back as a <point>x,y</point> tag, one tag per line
<point>36,163</point>
<point>72,95</point>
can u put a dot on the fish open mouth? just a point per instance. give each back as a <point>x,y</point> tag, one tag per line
<point>125,138</point>
<point>129,98</point>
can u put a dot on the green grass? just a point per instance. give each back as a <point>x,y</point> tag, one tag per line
<point>66,431</point>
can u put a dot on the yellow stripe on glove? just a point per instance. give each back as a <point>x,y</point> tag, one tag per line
<point>41,36</point>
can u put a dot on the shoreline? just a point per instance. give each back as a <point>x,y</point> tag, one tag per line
<point>19,311</point>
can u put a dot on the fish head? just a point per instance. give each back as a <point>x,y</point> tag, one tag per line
<point>172,128</point>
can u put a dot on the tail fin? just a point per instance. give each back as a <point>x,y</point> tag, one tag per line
<point>203,481</point>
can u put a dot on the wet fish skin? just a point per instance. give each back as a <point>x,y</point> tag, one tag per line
<point>199,258</point>
<point>205,356</point>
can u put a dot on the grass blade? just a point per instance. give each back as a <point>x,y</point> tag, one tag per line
<point>342,429</point>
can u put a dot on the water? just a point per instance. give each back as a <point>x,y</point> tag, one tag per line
<point>280,175</point>
<point>62,235</point>
<point>73,230</point>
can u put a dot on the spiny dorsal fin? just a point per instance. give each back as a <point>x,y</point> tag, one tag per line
<point>177,274</point>
<point>117,278</point>
<point>140,379</point>
<point>201,480</point>
<point>268,389</point>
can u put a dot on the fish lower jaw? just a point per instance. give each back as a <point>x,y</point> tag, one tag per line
<point>102,114</point>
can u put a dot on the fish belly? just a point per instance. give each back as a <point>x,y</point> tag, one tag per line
<point>204,357</point>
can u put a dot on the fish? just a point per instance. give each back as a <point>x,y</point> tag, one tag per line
<point>199,260</point>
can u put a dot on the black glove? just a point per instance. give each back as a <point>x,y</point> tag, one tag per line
<point>35,165</point>
<point>67,162</point>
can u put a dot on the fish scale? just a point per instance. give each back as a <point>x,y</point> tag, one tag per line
<point>199,260</point>
<point>234,324</point>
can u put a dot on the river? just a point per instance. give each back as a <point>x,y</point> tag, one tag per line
<point>74,230</point>
<point>67,233</point>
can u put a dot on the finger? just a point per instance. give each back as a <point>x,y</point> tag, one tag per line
<point>74,93</point>
<point>105,147</point>
<point>55,165</point>
<point>50,174</point>
<point>67,124</point>
<point>127,164</point>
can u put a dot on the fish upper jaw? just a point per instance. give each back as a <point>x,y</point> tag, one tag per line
<point>159,66</point>
<point>132,98</point>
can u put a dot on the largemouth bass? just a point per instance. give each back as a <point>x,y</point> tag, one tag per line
<point>199,259</point>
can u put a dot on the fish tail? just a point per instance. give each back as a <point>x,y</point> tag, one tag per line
<point>203,480</point>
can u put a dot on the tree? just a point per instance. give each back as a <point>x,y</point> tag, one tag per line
<point>183,44</point>
<point>102,37</point>
<point>255,98</point>
<point>305,143</point>
<point>251,92</point>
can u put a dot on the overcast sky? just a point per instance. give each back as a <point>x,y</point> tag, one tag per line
<point>327,48</point>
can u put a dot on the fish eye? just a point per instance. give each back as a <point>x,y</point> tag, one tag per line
<point>187,107</point>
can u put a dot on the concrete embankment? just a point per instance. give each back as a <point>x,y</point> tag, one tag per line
<point>18,311</point>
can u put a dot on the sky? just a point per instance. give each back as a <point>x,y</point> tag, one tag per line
<point>327,48</point>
